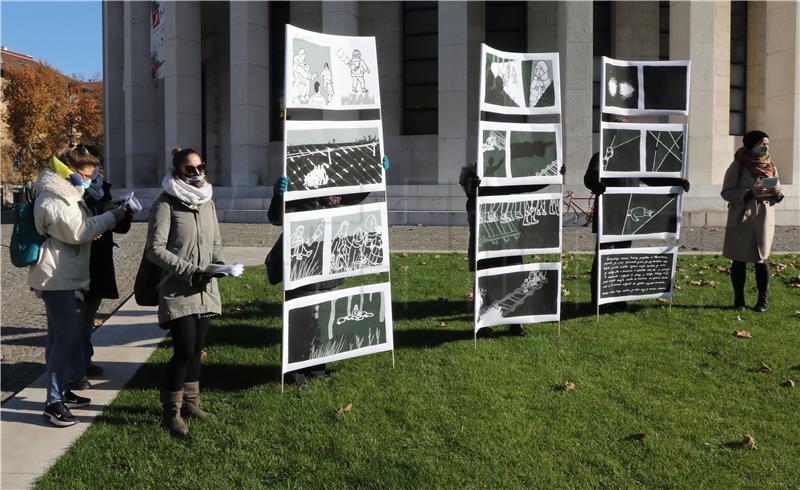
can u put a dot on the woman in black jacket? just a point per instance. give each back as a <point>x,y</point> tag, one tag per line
<point>103,281</point>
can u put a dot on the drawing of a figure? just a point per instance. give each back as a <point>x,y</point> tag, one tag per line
<point>507,82</point>
<point>317,98</point>
<point>356,315</point>
<point>502,307</point>
<point>495,141</point>
<point>301,77</point>
<point>639,212</point>
<point>327,82</point>
<point>357,69</point>
<point>540,82</point>
<point>316,178</point>
<point>340,248</point>
<point>357,249</point>
<point>374,243</point>
<point>300,249</point>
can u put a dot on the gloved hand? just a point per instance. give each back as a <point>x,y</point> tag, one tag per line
<point>281,185</point>
<point>599,188</point>
<point>686,185</point>
<point>386,164</point>
<point>563,168</point>
<point>202,277</point>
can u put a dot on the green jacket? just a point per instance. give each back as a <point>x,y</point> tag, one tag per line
<point>181,241</point>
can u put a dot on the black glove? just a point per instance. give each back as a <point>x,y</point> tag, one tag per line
<point>599,188</point>
<point>748,195</point>
<point>563,169</point>
<point>202,277</point>
<point>686,185</point>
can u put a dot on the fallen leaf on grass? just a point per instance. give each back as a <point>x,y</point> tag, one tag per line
<point>568,386</point>
<point>435,257</point>
<point>442,324</point>
<point>696,283</point>
<point>796,313</point>
<point>637,436</point>
<point>98,322</point>
<point>421,263</point>
<point>565,292</point>
<point>471,295</point>
<point>749,441</point>
<point>345,408</point>
<point>663,300</point>
<point>712,284</point>
<point>789,383</point>
<point>702,273</point>
<point>203,354</point>
<point>743,334</point>
<point>681,269</point>
<point>404,254</point>
<point>764,368</point>
<point>723,268</point>
<point>794,282</point>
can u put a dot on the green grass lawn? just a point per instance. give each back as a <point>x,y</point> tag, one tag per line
<point>449,415</point>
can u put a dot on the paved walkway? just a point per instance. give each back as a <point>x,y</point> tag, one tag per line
<point>124,343</point>
<point>23,320</point>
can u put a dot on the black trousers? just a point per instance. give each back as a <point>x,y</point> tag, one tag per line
<point>739,275</point>
<point>188,338</point>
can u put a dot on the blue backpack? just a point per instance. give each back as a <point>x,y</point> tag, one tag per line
<point>25,240</point>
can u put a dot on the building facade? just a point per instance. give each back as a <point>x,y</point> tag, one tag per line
<point>223,87</point>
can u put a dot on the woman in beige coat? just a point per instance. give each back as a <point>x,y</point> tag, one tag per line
<point>751,215</point>
<point>183,240</point>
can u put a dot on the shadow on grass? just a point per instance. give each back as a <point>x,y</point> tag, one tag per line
<point>251,336</point>
<point>421,338</point>
<point>415,310</point>
<point>222,377</point>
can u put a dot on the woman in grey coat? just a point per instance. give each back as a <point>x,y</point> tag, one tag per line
<point>183,240</point>
<point>751,215</point>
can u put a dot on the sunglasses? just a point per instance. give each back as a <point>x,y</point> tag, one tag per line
<point>195,170</point>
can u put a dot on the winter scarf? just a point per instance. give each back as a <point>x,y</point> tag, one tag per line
<point>190,195</point>
<point>758,165</point>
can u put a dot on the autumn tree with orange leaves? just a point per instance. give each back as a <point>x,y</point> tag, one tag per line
<point>43,111</point>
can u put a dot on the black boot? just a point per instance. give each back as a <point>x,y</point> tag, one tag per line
<point>738,271</point>
<point>761,305</point>
<point>738,299</point>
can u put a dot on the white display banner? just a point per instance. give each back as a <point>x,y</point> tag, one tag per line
<point>625,274</point>
<point>519,83</point>
<point>642,150</point>
<point>519,154</point>
<point>518,224</point>
<point>644,88</point>
<point>639,213</point>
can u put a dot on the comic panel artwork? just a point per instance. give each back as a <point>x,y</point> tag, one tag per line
<point>642,150</point>
<point>627,274</point>
<point>519,83</point>
<point>640,213</point>
<point>518,225</point>
<point>637,88</point>
<point>335,243</point>
<point>519,154</point>
<point>330,72</point>
<point>527,293</point>
<point>337,325</point>
<point>333,157</point>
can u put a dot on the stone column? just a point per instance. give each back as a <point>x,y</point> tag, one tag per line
<point>249,107</point>
<point>114,96</point>
<point>142,130</point>
<point>782,92</point>
<point>182,81</point>
<point>700,32</point>
<point>453,103</point>
<point>575,26</point>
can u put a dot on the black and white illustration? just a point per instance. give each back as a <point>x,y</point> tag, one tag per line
<point>337,325</point>
<point>639,88</point>
<point>519,154</point>
<point>638,213</point>
<point>520,224</point>
<point>527,293</point>
<point>519,83</point>
<point>334,243</point>
<point>333,157</point>
<point>626,274</point>
<point>642,150</point>
<point>330,72</point>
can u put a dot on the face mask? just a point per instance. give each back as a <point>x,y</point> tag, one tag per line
<point>761,151</point>
<point>86,183</point>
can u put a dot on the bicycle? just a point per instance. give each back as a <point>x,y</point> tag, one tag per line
<point>573,214</point>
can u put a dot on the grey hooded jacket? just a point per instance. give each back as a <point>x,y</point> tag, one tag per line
<point>182,240</point>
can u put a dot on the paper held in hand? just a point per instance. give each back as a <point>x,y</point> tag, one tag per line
<point>236,269</point>
<point>129,201</point>
<point>769,184</point>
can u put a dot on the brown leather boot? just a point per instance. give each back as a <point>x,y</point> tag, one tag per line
<point>191,402</point>
<point>171,417</point>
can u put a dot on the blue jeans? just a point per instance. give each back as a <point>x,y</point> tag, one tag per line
<point>86,311</point>
<point>64,336</point>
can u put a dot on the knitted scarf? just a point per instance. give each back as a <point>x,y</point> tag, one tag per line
<point>192,196</point>
<point>758,165</point>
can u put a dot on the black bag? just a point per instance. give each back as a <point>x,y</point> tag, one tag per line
<point>274,262</point>
<point>148,278</point>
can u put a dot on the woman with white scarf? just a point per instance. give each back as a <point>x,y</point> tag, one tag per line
<point>183,240</point>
